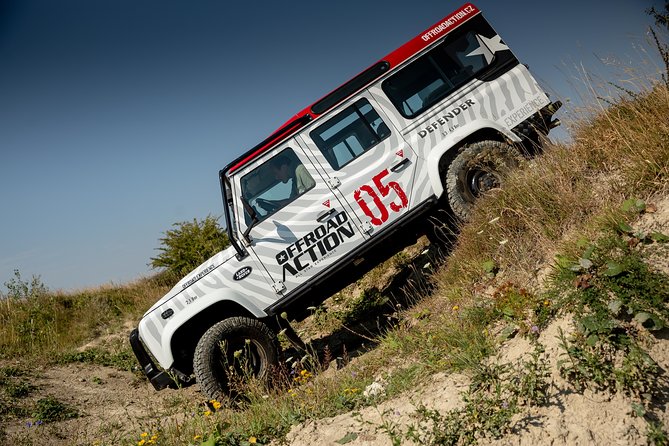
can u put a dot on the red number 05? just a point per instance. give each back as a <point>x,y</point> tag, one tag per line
<point>384,189</point>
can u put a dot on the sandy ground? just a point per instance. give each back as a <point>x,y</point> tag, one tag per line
<point>570,417</point>
<point>111,403</point>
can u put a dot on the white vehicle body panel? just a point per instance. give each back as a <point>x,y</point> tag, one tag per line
<point>210,283</point>
<point>497,105</point>
<point>356,179</point>
<point>291,244</point>
<point>350,203</point>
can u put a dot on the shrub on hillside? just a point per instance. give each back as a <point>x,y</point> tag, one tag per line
<point>188,245</point>
<point>22,289</point>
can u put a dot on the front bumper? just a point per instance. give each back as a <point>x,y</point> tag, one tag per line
<point>159,378</point>
<point>541,122</point>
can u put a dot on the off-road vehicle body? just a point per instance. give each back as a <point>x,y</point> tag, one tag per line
<point>430,126</point>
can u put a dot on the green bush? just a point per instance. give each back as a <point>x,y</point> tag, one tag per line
<point>50,409</point>
<point>188,245</point>
<point>22,289</point>
<point>615,297</point>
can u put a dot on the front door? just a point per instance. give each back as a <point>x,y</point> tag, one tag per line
<point>300,227</point>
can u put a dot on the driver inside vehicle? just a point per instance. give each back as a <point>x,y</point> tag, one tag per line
<point>302,181</point>
<point>282,170</point>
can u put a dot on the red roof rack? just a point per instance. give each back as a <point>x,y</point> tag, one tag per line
<point>391,61</point>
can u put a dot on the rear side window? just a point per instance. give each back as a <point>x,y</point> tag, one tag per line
<point>438,73</point>
<point>350,133</point>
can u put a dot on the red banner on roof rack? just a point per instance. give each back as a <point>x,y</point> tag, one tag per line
<point>431,34</point>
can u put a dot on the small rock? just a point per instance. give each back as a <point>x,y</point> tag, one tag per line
<point>374,389</point>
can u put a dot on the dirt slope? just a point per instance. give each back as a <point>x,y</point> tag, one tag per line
<point>569,418</point>
<point>114,403</point>
<point>111,403</point>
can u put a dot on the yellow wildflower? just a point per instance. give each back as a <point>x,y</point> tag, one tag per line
<point>207,413</point>
<point>197,437</point>
<point>456,307</point>
<point>144,434</point>
<point>546,303</point>
<point>252,440</point>
<point>215,404</point>
<point>141,442</point>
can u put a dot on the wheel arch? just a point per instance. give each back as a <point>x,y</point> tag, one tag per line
<point>182,335</point>
<point>443,154</point>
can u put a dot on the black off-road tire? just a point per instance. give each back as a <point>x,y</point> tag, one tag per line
<point>211,364</point>
<point>478,168</point>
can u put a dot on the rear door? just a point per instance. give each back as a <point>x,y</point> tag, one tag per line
<point>366,162</point>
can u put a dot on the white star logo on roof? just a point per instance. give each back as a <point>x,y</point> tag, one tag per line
<point>488,47</point>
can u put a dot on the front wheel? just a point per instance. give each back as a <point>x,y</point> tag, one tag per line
<point>239,347</point>
<point>478,168</point>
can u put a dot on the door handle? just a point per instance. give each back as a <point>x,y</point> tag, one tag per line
<point>400,165</point>
<point>322,216</point>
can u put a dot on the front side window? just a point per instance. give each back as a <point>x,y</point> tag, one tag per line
<point>453,63</point>
<point>274,184</point>
<point>350,133</point>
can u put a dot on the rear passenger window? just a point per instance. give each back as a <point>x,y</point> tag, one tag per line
<point>350,133</point>
<point>462,56</point>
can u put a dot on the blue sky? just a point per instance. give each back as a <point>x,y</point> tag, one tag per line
<point>115,116</point>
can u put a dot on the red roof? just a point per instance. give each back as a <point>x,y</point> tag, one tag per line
<point>396,58</point>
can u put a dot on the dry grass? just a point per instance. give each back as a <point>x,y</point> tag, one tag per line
<point>46,324</point>
<point>622,152</point>
<point>559,197</point>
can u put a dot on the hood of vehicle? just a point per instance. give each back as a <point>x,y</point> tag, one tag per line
<point>194,276</point>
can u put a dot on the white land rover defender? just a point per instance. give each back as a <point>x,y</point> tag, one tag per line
<point>430,126</point>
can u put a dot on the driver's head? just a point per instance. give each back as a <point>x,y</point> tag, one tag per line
<point>281,168</point>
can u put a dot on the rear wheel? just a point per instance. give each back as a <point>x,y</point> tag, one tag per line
<point>232,350</point>
<point>478,168</point>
